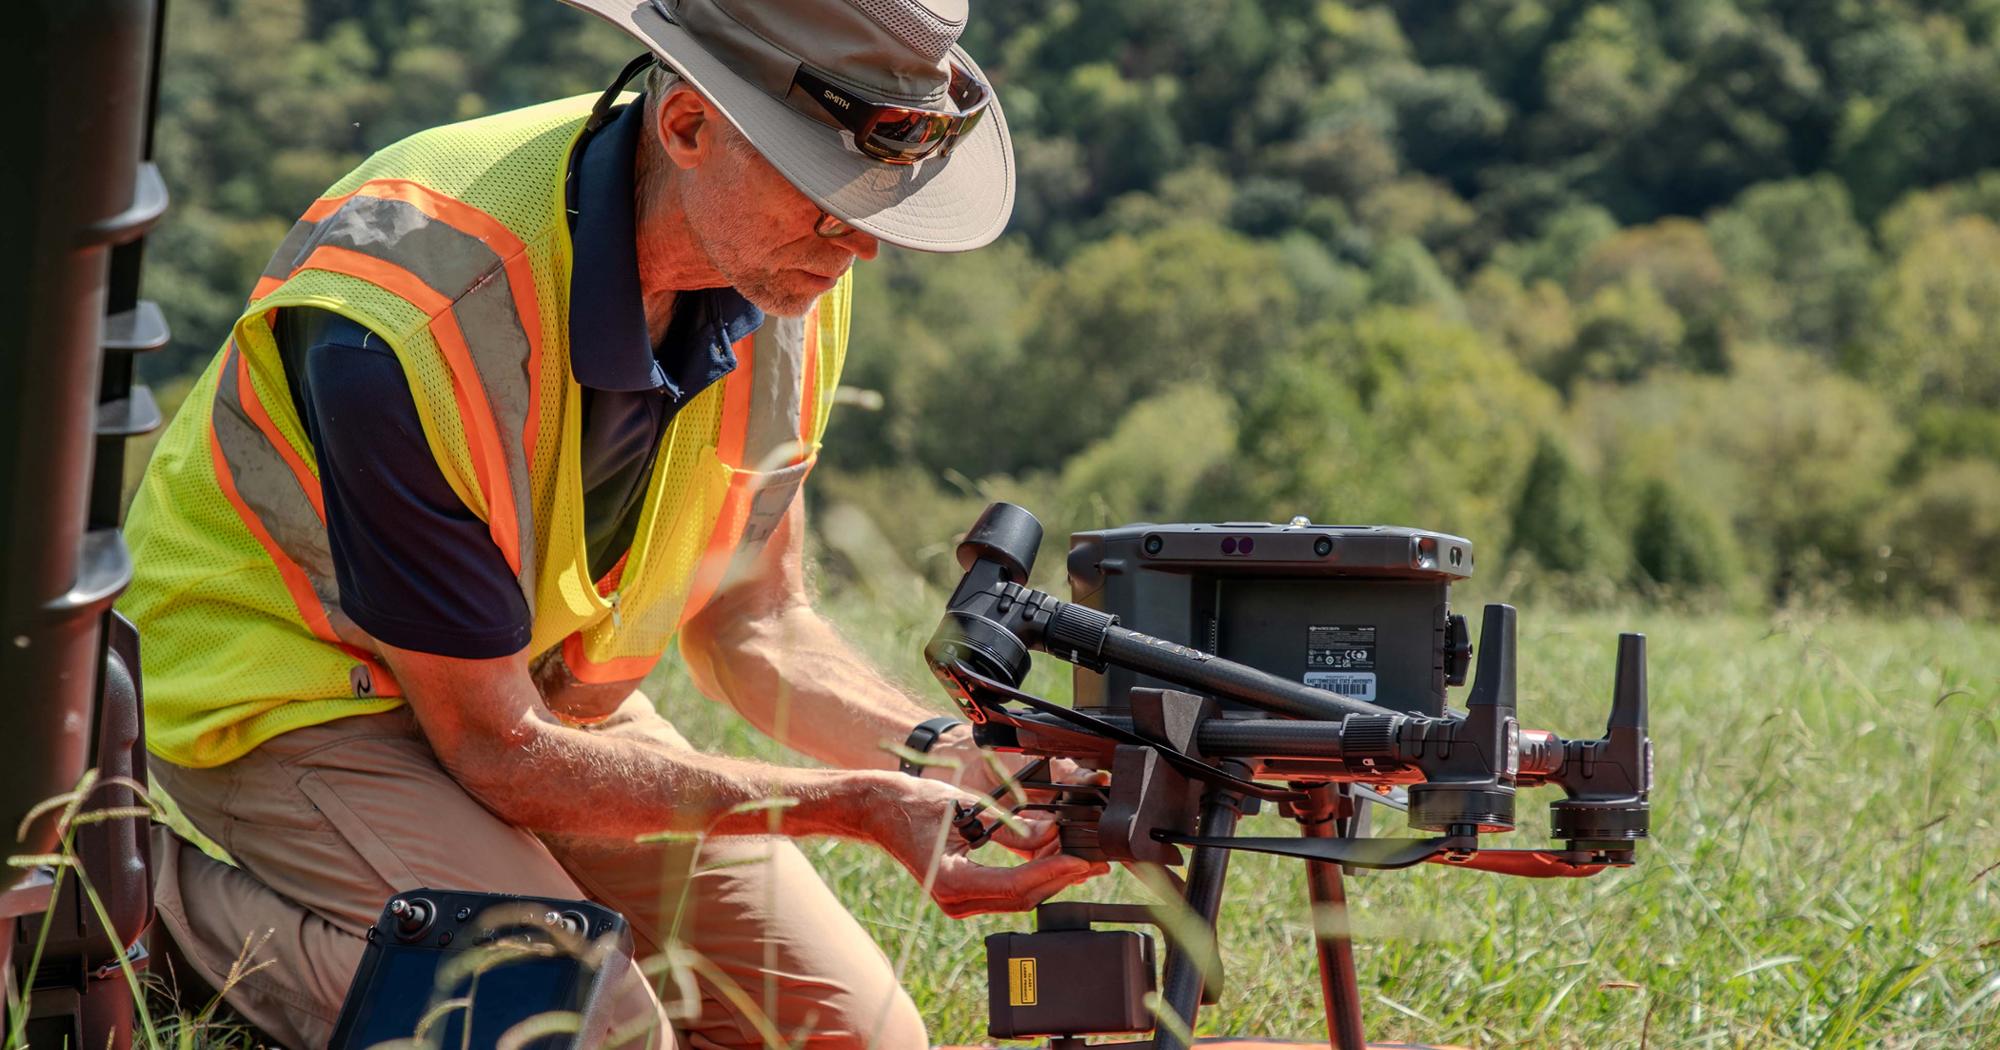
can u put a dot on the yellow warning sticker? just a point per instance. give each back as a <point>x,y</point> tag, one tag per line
<point>1021,982</point>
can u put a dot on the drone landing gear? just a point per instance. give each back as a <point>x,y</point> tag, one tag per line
<point>1327,813</point>
<point>1066,953</point>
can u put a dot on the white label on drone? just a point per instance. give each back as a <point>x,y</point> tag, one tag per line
<point>1357,686</point>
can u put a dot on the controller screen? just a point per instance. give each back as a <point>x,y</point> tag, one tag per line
<point>404,988</point>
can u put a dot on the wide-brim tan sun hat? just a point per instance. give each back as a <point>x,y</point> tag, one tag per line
<point>742,55</point>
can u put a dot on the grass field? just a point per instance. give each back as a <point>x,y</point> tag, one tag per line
<point>1824,871</point>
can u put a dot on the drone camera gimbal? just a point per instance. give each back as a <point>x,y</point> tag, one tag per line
<point>1237,685</point>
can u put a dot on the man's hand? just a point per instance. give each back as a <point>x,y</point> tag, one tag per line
<point>968,766</point>
<point>916,828</point>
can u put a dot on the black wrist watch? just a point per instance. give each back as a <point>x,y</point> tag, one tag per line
<point>921,740</point>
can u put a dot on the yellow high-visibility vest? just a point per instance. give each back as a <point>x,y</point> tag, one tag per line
<point>454,247</point>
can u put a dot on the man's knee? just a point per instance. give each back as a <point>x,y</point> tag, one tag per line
<point>282,968</point>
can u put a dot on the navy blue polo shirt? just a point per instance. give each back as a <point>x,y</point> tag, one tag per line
<point>416,568</point>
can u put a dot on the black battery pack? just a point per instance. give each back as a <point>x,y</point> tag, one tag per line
<point>1356,610</point>
<point>1068,981</point>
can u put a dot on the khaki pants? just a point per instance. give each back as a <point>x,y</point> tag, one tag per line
<point>327,823</point>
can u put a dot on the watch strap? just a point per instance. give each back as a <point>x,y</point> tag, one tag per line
<point>923,738</point>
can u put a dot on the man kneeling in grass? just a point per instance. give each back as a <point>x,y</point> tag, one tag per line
<point>517,404</point>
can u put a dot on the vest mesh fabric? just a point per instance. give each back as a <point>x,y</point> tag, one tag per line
<point>203,573</point>
<point>651,597</point>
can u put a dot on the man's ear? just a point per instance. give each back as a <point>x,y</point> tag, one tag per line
<point>686,127</point>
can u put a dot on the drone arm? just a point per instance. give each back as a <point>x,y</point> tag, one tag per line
<point>1363,749</point>
<point>1206,673</point>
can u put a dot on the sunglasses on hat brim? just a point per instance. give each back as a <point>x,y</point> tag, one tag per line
<point>894,133</point>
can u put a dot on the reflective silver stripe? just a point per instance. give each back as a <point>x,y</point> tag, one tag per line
<point>772,444</point>
<point>770,500</point>
<point>500,351</point>
<point>267,486</point>
<point>399,232</point>
<point>291,250</point>
<point>361,221</point>
<point>777,366</point>
<point>462,268</point>
<point>774,495</point>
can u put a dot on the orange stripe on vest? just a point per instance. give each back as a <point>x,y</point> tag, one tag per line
<point>715,558</point>
<point>624,669</point>
<point>809,392</point>
<point>736,405</point>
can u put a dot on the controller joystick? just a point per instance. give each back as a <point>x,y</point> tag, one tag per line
<point>412,916</point>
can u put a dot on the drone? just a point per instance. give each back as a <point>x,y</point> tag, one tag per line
<point>1224,667</point>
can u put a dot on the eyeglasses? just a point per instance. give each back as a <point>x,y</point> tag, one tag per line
<point>898,134</point>
<point>832,227</point>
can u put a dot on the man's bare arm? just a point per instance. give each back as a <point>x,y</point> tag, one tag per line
<point>492,732</point>
<point>763,649</point>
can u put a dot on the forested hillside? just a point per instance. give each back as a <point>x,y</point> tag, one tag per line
<point>1694,298</point>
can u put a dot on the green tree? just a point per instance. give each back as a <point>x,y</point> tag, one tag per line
<point>1503,39</point>
<point>1158,464</point>
<point>1298,207</point>
<point>1747,108</point>
<point>1801,262</point>
<point>1427,210</point>
<point>1942,432</point>
<point>937,352</point>
<point>1125,127</point>
<point>1680,543</point>
<point>1922,212</point>
<point>1435,424</point>
<point>1937,132</point>
<point>1566,238</point>
<point>1128,317</point>
<point>1536,323</point>
<point>1267,207</point>
<point>1940,317</point>
<point>1197,193</point>
<point>1941,538</point>
<point>1406,274</point>
<point>1676,259</point>
<point>1603,79</point>
<point>1796,456</point>
<point>1624,332</point>
<point>1447,122</point>
<point>1306,445</point>
<point>1558,519</point>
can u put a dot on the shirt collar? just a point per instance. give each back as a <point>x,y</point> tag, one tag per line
<point>610,348</point>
